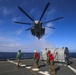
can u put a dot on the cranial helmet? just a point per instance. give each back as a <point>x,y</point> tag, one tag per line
<point>35,51</point>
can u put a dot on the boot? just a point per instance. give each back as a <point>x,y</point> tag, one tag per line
<point>53,72</point>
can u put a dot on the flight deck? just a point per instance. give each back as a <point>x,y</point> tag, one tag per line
<point>27,68</point>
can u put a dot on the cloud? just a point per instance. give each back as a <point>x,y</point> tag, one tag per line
<point>50,14</point>
<point>1,38</point>
<point>18,32</point>
<point>13,44</point>
<point>5,11</point>
<point>10,45</point>
<point>51,11</point>
<point>48,31</point>
<point>40,45</point>
<point>16,18</point>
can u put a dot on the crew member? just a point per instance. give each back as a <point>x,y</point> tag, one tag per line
<point>36,58</point>
<point>18,56</point>
<point>51,59</point>
<point>48,61</point>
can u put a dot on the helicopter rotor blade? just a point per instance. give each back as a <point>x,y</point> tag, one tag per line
<point>25,13</point>
<point>50,27</point>
<point>44,11</point>
<point>53,20</point>
<point>22,23</point>
<point>33,17</point>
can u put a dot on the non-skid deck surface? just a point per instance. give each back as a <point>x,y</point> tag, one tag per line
<point>27,66</point>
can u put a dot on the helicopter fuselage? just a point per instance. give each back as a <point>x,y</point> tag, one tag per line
<point>37,30</point>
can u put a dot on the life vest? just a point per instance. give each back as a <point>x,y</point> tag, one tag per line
<point>51,56</point>
<point>18,55</point>
<point>36,55</point>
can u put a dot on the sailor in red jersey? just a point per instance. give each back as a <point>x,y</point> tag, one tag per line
<point>48,61</point>
<point>36,58</point>
<point>51,59</point>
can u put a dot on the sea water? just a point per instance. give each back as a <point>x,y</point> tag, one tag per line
<point>12,55</point>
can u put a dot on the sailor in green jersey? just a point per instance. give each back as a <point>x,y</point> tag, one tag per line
<point>18,56</point>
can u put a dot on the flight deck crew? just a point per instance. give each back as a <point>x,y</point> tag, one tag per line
<point>51,59</point>
<point>48,61</point>
<point>36,58</point>
<point>18,56</point>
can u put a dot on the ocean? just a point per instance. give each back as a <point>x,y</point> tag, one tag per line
<point>12,55</point>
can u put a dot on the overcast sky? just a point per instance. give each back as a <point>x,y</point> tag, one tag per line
<point>13,36</point>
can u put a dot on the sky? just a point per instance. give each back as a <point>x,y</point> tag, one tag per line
<point>14,37</point>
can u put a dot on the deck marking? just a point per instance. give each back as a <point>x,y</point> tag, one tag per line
<point>29,67</point>
<point>35,69</point>
<point>44,73</point>
<point>12,62</point>
<point>22,65</point>
<point>41,72</point>
<point>74,70</point>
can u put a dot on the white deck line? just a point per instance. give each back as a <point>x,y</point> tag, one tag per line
<point>44,73</point>
<point>29,67</point>
<point>74,70</point>
<point>41,72</point>
<point>16,63</point>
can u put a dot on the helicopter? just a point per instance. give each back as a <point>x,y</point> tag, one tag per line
<point>36,25</point>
